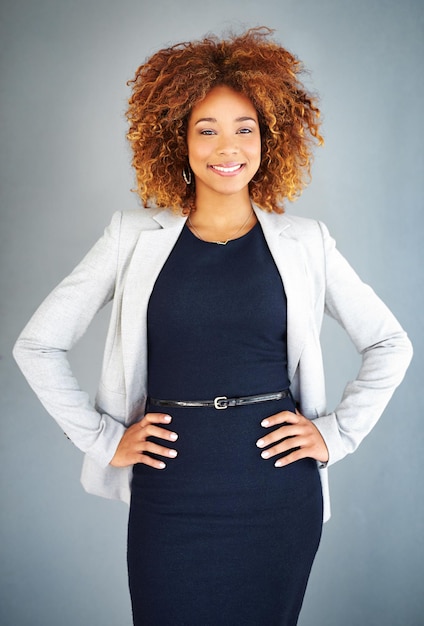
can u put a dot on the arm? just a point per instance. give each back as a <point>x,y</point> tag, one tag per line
<point>61,320</point>
<point>382,343</point>
<point>386,352</point>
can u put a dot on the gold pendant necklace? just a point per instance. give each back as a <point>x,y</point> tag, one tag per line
<point>221,243</point>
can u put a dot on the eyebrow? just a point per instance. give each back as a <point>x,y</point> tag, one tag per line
<point>213,120</point>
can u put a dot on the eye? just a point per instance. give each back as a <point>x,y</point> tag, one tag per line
<point>245,131</point>
<point>207,131</point>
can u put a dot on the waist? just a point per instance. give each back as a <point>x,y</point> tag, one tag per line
<point>223,402</point>
<point>218,459</point>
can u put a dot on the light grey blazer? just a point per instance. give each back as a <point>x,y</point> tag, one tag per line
<point>123,267</point>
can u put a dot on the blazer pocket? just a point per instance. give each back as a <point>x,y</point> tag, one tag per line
<point>112,403</point>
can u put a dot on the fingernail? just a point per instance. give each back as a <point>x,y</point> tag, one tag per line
<point>265,423</point>
<point>172,453</point>
<point>173,436</point>
<point>265,454</point>
<point>260,443</point>
<point>167,418</point>
<point>278,464</point>
<point>162,465</point>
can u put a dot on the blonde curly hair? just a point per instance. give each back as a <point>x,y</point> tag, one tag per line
<point>170,83</point>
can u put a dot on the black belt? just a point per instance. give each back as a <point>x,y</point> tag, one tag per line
<point>222,402</point>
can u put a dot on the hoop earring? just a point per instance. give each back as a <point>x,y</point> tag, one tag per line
<point>187,175</point>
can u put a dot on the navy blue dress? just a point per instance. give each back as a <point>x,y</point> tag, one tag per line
<point>220,537</point>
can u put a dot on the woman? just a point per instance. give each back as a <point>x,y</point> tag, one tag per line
<point>210,416</point>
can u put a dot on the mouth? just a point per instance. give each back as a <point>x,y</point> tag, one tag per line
<point>227,170</point>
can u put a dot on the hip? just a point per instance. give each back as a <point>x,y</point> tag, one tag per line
<point>218,460</point>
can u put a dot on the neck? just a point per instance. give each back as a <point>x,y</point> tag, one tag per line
<point>221,211</point>
<point>230,218</point>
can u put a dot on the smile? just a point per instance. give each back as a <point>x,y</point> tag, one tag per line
<point>227,169</point>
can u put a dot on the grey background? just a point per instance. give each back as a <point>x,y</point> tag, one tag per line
<point>65,169</point>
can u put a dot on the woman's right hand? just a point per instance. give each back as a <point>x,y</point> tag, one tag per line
<point>134,443</point>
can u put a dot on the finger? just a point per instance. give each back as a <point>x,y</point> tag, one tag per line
<point>296,455</point>
<point>154,448</point>
<point>280,434</point>
<point>303,435</point>
<point>151,448</point>
<point>152,430</point>
<point>279,418</point>
<point>150,461</point>
<point>131,456</point>
<point>155,418</point>
<point>281,448</point>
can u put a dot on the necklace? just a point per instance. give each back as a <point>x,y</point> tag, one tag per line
<point>221,243</point>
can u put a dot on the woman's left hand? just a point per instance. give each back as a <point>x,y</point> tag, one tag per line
<point>297,433</point>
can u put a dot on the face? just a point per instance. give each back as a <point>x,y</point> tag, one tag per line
<point>224,143</point>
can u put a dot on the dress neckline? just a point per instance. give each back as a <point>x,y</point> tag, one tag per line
<point>221,245</point>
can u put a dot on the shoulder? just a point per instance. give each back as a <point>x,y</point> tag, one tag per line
<point>302,225</point>
<point>310,232</point>
<point>136,220</point>
<point>294,226</point>
<point>126,226</point>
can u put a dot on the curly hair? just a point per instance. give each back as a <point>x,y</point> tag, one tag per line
<point>169,84</point>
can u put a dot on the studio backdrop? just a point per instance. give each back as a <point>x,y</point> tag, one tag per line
<point>65,168</point>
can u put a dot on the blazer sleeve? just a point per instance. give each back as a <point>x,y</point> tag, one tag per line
<point>380,340</point>
<point>60,321</point>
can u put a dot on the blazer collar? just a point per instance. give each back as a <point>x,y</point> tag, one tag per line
<point>275,221</point>
<point>167,218</point>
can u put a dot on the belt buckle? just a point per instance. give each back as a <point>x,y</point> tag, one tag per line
<point>220,402</point>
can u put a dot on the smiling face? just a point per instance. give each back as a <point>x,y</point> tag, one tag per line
<point>224,143</point>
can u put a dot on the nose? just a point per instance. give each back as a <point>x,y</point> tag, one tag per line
<point>228,144</point>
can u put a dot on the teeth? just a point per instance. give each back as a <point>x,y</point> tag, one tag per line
<point>226,170</point>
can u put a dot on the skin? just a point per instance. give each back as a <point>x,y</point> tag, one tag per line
<point>224,150</point>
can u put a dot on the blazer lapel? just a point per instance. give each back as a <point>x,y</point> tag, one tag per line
<point>289,259</point>
<point>152,250</point>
